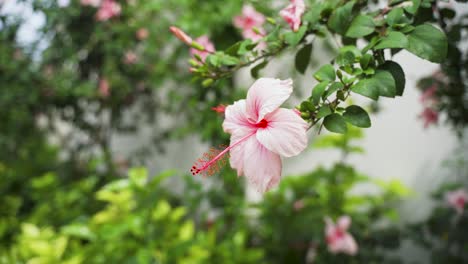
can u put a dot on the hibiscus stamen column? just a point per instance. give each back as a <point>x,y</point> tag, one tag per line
<point>211,162</point>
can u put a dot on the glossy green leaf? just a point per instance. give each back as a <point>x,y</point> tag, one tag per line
<point>361,26</point>
<point>318,90</point>
<point>428,42</point>
<point>325,73</point>
<point>293,38</point>
<point>380,84</point>
<point>357,116</point>
<point>341,18</point>
<point>398,75</point>
<point>393,40</point>
<point>335,123</point>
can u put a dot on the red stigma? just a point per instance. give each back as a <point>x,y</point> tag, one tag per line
<point>262,124</point>
<point>211,162</point>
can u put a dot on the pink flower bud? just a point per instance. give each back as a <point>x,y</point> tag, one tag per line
<point>104,88</point>
<point>181,35</point>
<point>142,34</point>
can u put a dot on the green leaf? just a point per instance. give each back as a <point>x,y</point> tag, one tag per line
<point>325,73</point>
<point>346,58</point>
<point>413,8</point>
<point>323,111</point>
<point>255,70</point>
<point>366,61</point>
<point>335,123</point>
<point>303,58</point>
<point>361,26</point>
<point>293,38</point>
<point>396,16</point>
<point>318,90</point>
<point>398,75</point>
<point>428,42</point>
<point>357,116</point>
<point>333,88</point>
<point>341,18</point>
<point>392,41</point>
<point>380,84</point>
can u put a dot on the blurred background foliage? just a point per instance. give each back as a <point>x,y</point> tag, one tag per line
<point>65,198</point>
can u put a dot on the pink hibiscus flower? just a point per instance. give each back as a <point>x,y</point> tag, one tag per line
<point>457,199</point>
<point>249,20</point>
<point>430,116</point>
<point>207,45</point>
<point>428,95</point>
<point>338,239</point>
<point>130,57</point>
<point>292,14</point>
<point>261,132</point>
<point>108,10</point>
<point>142,34</point>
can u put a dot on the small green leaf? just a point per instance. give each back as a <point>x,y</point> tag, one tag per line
<point>293,38</point>
<point>398,75</point>
<point>357,116</point>
<point>333,88</point>
<point>341,18</point>
<point>396,16</point>
<point>346,58</point>
<point>303,58</point>
<point>318,90</point>
<point>323,111</point>
<point>428,42</point>
<point>325,73</point>
<point>392,41</point>
<point>335,123</point>
<point>380,84</point>
<point>361,26</point>
<point>366,61</point>
<point>255,70</point>
<point>413,8</point>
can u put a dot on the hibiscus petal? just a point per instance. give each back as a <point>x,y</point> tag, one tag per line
<point>236,117</point>
<point>261,166</point>
<point>237,153</point>
<point>285,134</point>
<point>265,96</point>
<point>344,222</point>
<point>348,245</point>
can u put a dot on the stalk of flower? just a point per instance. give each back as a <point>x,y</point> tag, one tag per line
<point>261,133</point>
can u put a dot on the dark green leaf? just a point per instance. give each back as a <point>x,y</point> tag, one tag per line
<point>341,18</point>
<point>396,16</point>
<point>380,84</point>
<point>398,75</point>
<point>325,73</point>
<point>303,58</point>
<point>335,123</point>
<point>393,40</point>
<point>428,42</point>
<point>366,60</point>
<point>361,26</point>
<point>346,58</point>
<point>357,116</point>
<point>255,70</point>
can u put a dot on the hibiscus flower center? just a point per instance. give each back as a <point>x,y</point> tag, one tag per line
<point>262,124</point>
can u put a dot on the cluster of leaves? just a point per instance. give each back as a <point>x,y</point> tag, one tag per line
<point>366,71</point>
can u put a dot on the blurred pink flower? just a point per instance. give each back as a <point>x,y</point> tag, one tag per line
<point>142,34</point>
<point>457,199</point>
<point>428,95</point>
<point>261,132</point>
<point>292,14</point>
<point>130,57</point>
<point>94,3</point>
<point>181,35</point>
<point>104,88</point>
<point>430,116</point>
<point>249,20</point>
<point>338,239</point>
<point>108,10</point>
<point>298,205</point>
<point>207,44</point>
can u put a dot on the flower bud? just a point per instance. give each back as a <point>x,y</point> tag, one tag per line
<point>181,35</point>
